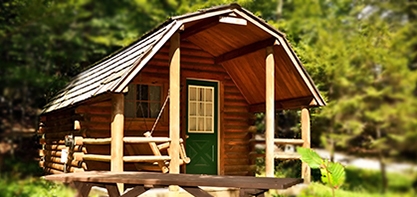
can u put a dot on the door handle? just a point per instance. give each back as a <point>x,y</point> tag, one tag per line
<point>187,136</point>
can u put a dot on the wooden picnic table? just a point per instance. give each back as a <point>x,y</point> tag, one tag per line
<point>83,181</point>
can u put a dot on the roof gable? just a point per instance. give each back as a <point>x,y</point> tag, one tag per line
<point>115,72</point>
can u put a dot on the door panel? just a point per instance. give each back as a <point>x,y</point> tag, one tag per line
<point>202,127</point>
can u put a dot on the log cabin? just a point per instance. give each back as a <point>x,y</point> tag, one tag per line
<point>180,99</point>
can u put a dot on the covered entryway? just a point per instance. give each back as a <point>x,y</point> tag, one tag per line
<point>202,127</point>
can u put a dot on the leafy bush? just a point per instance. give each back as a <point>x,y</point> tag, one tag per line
<point>32,187</point>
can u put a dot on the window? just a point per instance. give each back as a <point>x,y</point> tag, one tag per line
<point>143,101</point>
<point>200,109</point>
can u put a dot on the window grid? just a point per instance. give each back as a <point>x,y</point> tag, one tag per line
<point>200,109</point>
<point>143,101</point>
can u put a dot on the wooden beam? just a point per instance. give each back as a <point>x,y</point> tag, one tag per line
<point>174,103</point>
<point>305,135</point>
<point>283,104</point>
<point>199,27</point>
<point>244,50</point>
<point>117,124</point>
<point>270,112</point>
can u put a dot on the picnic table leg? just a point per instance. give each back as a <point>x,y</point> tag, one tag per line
<point>136,191</point>
<point>83,189</point>
<point>196,191</point>
<point>113,190</point>
<point>252,192</point>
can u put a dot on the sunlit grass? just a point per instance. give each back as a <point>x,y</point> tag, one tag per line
<point>32,187</point>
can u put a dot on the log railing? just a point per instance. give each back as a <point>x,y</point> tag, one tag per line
<point>57,156</point>
<point>163,143</point>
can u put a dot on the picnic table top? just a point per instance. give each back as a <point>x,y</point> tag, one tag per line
<point>191,180</point>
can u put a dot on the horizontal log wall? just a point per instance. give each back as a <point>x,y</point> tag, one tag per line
<point>195,64</point>
<point>55,126</point>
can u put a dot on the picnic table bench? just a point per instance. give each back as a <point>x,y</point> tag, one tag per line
<point>83,181</point>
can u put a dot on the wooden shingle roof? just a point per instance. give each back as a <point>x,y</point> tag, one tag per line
<point>115,72</point>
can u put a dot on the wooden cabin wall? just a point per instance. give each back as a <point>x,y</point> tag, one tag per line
<point>234,111</point>
<point>195,64</point>
<point>97,124</point>
<point>54,127</point>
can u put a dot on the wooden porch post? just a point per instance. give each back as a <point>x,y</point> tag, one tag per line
<point>174,103</point>
<point>269,112</point>
<point>305,135</point>
<point>117,133</point>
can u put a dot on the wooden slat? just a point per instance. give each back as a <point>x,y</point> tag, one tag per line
<point>145,158</point>
<point>245,50</point>
<point>196,191</point>
<point>146,140</point>
<point>199,26</point>
<point>136,191</point>
<point>148,178</point>
<point>95,141</point>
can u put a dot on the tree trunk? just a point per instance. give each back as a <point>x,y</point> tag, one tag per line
<point>279,9</point>
<point>382,164</point>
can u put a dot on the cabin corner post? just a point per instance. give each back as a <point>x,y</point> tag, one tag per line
<point>117,133</point>
<point>306,136</point>
<point>174,104</point>
<point>269,112</point>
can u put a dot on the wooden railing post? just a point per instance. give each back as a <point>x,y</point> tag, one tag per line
<point>117,134</point>
<point>269,112</point>
<point>305,135</point>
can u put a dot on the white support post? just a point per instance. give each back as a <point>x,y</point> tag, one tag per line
<point>117,134</point>
<point>174,108</point>
<point>270,112</point>
<point>305,135</point>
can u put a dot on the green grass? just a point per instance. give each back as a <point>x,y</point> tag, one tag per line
<point>319,190</point>
<point>359,182</point>
<point>21,178</point>
<point>32,187</point>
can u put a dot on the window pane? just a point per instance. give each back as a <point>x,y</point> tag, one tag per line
<point>142,110</point>
<point>193,109</point>
<point>130,109</point>
<point>155,108</point>
<point>209,94</point>
<point>200,94</point>
<point>193,94</point>
<point>131,92</point>
<point>200,109</point>
<point>209,109</point>
<point>209,124</point>
<point>142,92</point>
<point>155,93</point>
<point>193,124</point>
<point>200,124</point>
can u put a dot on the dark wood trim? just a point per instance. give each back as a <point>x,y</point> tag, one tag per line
<point>282,104</point>
<point>244,50</point>
<point>199,27</point>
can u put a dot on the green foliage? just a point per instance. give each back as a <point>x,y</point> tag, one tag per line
<point>310,157</point>
<point>332,174</point>
<point>32,187</point>
<point>319,190</point>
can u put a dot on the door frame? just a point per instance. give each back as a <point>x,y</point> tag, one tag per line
<point>218,96</point>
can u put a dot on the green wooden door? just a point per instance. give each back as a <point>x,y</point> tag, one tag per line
<point>202,127</point>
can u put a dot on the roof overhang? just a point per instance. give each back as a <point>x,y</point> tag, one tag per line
<point>232,35</point>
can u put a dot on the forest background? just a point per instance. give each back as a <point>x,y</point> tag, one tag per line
<point>362,55</point>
